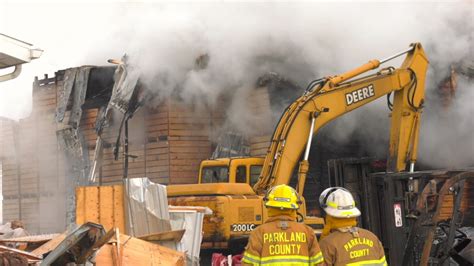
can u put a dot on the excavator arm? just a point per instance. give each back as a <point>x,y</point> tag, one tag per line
<point>329,98</point>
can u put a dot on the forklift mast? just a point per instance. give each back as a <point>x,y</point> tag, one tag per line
<point>417,215</point>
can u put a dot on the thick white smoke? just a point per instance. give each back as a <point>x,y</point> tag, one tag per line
<point>300,41</point>
<point>447,138</point>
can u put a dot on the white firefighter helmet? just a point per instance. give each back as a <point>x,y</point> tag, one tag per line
<point>338,202</point>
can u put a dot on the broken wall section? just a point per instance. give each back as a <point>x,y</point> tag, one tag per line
<point>38,181</point>
<point>48,154</point>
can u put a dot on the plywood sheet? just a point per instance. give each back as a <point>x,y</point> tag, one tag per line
<point>103,205</point>
<point>133,251</point>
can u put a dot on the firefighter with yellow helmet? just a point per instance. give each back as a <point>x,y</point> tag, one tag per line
<point>342,242</point>
<point>281,240</point>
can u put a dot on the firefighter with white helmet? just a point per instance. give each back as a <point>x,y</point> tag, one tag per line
<point>281,240</point>
<point>342,242</point>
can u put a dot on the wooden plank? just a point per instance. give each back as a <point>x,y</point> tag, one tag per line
<point>110,165</point>
<point>112,180</point>
<point>91,204</point>
<point>80,205</point>
<point>190,149</point>
<point>184,162</point>
<point>136,172</point>
<point>135,251</point>
<point>159,180</point>
<point>161,122</point>
<point>199,132</point>
<point>184,174</point>
<point>106,213</point>
<point>157,151</point>
<point>185,168</point>
<point>50,245</point>
<point>137,163</point>
<point>190,143</point>
<point>172,138</point>
<point>116,175</point>
<point>30,239</point>
<point>103,205</point>
<point>118,208</point>
<point>189,126</point>
<point>188,156</point>
<point>157,162</point>
<point>31,257</point>
<point>176,114</point>
<point>164,236</point>
<point>183,180</point>
<point>157,168</point>
<point>155,128</point>
<point>159,144</point>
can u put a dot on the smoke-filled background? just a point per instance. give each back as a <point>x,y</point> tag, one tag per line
<point>245,40</point>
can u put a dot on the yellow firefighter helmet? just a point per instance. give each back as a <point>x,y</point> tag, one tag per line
<point>282,197</point>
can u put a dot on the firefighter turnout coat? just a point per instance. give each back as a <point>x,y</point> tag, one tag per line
<point>282,241</point>
<point>347,248</point>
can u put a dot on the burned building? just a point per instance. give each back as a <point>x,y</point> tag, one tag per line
<point>97,125</point>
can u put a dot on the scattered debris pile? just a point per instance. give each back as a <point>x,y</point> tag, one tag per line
<point>129,224</point>
<point>90,243</point>
<point>140,208</point>
<point>13,229</point>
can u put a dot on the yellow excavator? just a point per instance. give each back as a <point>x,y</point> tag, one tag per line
<point>238,208</point>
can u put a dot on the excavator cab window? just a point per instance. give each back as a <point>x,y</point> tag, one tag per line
<point>241,174</point>
<point>215,174</point>
<point>254,173</point>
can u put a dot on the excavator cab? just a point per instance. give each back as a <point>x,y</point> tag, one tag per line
<point>231,170</point>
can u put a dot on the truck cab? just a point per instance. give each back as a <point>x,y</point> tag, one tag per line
<point>231,170</point>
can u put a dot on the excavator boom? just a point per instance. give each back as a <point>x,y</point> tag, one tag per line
<point>331,97</point>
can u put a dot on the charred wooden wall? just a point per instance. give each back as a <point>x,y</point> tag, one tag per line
<point>167,140</point>
<point>166,144</point>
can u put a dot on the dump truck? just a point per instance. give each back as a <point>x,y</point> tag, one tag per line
<point>238,207</point>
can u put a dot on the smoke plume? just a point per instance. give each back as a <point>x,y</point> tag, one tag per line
<point>300,41</point>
